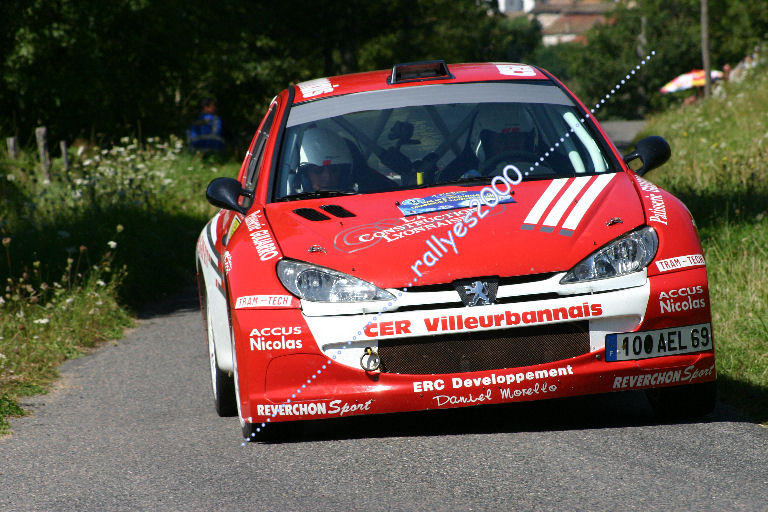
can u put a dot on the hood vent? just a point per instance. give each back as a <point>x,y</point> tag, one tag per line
<point>311,214</point>
<point>336,210</point>
<point>333,209</point>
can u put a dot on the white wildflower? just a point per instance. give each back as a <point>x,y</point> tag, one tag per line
<point>42,320</point>
<point>112,244</point>
<point>101,283</point>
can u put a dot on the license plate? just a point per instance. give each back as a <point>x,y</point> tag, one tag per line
<point>628,346</point>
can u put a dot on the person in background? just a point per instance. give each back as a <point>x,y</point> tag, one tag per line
<point>718,88</point>
<point>204,135</point>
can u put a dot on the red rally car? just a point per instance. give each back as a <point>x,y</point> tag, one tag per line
<point>440,236</point>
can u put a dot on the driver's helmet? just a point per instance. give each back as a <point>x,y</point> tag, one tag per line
<point>325,160</point>
<point>500,128</point>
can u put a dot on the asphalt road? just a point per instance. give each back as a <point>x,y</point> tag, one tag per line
<point>622,132</point>
<point>132,427</point>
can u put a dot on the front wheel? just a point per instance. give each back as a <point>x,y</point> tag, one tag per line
<point>223,386</point>
<point>683,402</point>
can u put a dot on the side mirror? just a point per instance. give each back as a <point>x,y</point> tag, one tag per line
<point>652,151</point>
<point>225,192</point>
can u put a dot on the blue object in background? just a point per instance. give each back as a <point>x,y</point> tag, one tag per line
<point>205,133</point>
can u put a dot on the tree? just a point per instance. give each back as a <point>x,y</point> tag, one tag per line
<point>516,39</point>
<point>85,67</point>
<point>612,49</point>
<point>611,52</point>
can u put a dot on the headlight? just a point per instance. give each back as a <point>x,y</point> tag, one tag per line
<point>630,253</point>
<point>319,284</point>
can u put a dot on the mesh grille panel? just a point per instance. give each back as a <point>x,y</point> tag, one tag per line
<point>484,350</point>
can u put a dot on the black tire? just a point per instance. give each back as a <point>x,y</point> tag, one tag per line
<point>223,390</point>
<point>683,402</point>
<point>222,383</point>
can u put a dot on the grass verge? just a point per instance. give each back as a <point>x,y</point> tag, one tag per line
<point>719,168</point>
<point>84,250</point>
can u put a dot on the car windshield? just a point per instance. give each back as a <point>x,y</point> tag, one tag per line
<point>433,134</point>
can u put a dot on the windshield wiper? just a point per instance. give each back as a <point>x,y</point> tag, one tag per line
<point>466,180</point>
<point>315,195</point>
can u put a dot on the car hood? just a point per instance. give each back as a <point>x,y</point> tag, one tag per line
<point>550,226</point>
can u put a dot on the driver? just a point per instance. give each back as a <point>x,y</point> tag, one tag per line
<point>501,128</point>
<point>325,161</point>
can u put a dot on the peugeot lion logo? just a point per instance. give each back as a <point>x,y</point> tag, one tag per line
<point>477,293</point>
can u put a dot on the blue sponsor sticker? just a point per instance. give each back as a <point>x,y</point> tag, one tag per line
<point>611,347</point>
<point>444,201</point>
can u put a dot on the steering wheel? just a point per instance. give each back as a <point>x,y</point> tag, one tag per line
<point>504,155</point>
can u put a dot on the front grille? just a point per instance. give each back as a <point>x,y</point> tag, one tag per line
<point>503,281</point>
<point>484,350</point>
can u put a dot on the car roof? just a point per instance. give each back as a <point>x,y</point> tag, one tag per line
<point>381,80</point>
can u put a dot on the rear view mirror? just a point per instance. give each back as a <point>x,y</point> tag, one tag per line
<point>225,193</point>
<point>652,151</point>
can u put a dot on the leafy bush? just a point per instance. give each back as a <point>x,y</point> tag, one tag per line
<point>81,251</point>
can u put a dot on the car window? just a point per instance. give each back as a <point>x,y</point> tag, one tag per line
<point>429,135</point>
<point>258,148</point>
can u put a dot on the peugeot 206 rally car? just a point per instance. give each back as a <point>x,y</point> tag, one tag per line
<point>438,236</point>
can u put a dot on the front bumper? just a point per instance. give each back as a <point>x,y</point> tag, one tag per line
<point>310,366</point>
<point>340,391</point>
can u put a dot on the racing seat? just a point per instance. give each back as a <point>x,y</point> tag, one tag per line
<point>503,131</point>
<point>499,131</point>
<point>367,179</point>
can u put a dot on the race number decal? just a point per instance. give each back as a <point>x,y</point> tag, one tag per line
<point>515,70</point>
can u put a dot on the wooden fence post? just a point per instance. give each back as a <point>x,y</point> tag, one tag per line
<point>41,134</point>
<point>13,147</point>
<point>64,156</point>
